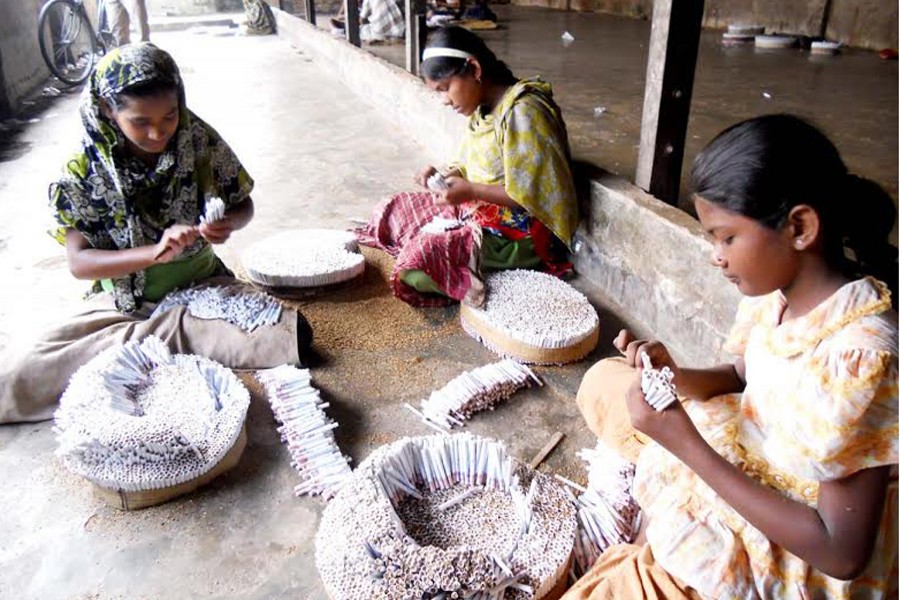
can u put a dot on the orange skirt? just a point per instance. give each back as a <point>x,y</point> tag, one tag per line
<point>625,571</point>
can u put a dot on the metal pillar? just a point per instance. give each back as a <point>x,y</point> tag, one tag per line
<point>672,60</point>
<point>311,11</point>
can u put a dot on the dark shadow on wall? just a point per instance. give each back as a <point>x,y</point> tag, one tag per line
<point>5,106</point>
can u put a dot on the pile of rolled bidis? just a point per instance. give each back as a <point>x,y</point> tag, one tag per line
<point>304,258</point>
<point>607,512</point>
<point>233,303</point>
<point>138,418</point>
<point>306,430</point>
<point>472,391</point>
<point>533,317</point>
<point>445,516</point>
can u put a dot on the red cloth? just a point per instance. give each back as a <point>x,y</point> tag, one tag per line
<point>446,257</point>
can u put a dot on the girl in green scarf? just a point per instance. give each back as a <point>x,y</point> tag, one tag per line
<point>127,209</point>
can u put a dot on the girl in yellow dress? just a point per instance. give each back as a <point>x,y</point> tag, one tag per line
<point>508,201</point>
<point>777,477</point>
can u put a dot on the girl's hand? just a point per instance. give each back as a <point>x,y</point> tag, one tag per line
<point>671,428</point>
<point>423,175</point>
<point>458,190</point>
<point>632,348</point>
<point>173,242</point>
<point>217,232</point>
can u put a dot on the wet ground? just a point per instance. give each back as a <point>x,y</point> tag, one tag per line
<point>852,96</point>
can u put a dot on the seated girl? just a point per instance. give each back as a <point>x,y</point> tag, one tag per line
<point>509,201</point>
<point>774,479</point>
<point>127,210</point>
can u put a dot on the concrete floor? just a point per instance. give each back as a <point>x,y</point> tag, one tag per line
<point>319,157</point>
<point>852,96</point>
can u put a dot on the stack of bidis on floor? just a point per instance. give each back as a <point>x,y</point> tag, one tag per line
<point>233,303</point>
<point>304,258</point>
<point>533,317</point>
<point>446,516</point>
<point>213,211</point>
<point>145,426</point>
<point>607,512</point>
<point>306,430</point>
<point>473,391</point>
<point>659,392</point>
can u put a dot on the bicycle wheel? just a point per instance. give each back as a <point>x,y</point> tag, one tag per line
<point>67,41</point>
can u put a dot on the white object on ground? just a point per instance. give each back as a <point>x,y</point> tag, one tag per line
<point>303,258</point>
<point>607,512</point>
<point>445,516</point>
<point>306,430</point>
<point>480,389</point>
<point>533,317</point>
<point>138,418</point>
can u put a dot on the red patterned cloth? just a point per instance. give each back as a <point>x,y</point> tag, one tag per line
<point>450,258</point>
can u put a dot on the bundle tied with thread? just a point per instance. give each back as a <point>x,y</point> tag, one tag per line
<point>533,317</point>
<point>233,303</point>
<point>304,258</point>
<point>306,430</point>
<point>472,391</point>
<point>445,516</point>
<point>138,418</point>
<point>607,512</point>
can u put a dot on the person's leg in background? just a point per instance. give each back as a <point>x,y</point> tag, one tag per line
<point>119,22</point>
<point>139,12</point>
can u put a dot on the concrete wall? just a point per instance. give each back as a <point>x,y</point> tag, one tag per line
<point>172,8</point>
<point>23,69</point>
<point>862,23</point>
<point>648,258</point>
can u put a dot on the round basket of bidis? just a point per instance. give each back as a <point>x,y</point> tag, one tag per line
<point>304,259</point>
<point>144,425</point>
<point>446,517</point>
<point>533,318</point>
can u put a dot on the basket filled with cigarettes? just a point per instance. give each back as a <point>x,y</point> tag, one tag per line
<point>446,516</point>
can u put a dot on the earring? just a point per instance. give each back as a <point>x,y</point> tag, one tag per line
<point>799,245</point>
<point>478,80</point>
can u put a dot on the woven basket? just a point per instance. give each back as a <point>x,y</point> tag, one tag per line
<point>124,500</point>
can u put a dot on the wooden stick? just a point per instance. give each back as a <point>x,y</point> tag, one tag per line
<point>546,450</point>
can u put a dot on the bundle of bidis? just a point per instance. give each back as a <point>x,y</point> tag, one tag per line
<point>138,418</point>
<point>213,211</point>
<point>303,258</point>
<point>233,303</point>
<point>659,391</point>
<point>437,183</point>
<point>533,317</point>
<point>476,390</point>
<point>306,430</point>
<point>607,512</point>
<point>445,516</point>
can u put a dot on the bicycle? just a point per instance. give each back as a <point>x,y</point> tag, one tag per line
<point>69,43</point>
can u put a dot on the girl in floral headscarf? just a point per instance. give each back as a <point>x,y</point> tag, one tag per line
<point>127,209</point>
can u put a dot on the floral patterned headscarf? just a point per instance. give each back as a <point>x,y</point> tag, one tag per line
<point>98,191</point>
